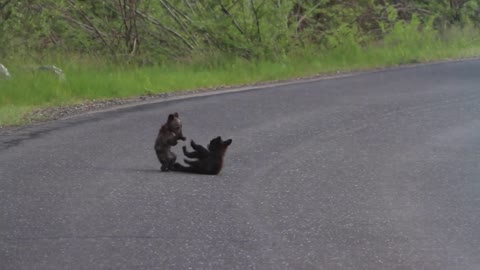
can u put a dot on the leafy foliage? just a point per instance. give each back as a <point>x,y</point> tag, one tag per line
<point>153,31</point>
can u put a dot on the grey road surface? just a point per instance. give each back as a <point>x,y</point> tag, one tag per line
<point>379,170</point>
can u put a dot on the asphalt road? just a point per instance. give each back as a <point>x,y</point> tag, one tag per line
<point>377,170</point>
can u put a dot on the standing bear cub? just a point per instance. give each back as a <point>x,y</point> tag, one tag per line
<point>168,135</point>
<point>208,161</point>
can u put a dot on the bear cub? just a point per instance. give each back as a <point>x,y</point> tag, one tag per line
<point>168,135</point>
<point>207,161</point>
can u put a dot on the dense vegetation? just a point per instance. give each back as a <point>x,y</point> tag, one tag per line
<point>152,31</point>
<point>112,48</point>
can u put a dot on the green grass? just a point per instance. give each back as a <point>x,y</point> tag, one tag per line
<point>90,78</point>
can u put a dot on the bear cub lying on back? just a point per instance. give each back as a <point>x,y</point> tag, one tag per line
<point>208,161</point>
<point>168,135</point>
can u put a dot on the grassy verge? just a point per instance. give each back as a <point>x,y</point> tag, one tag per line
<point>90,78</point>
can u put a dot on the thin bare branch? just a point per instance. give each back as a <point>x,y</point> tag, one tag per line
<point>172,11</point>
<point>85,17</point>
<point>169,30</point>
<point>180,12</point>
<point>257,21</point>
<point>226,12</point>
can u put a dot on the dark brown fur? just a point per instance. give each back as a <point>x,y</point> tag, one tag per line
<point>168,135</point>
<point>207,161</point>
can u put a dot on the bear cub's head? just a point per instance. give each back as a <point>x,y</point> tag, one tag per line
<point>218,145</point>
<point>174,125</point>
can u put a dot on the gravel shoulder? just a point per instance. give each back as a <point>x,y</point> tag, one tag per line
<point>49,114</point>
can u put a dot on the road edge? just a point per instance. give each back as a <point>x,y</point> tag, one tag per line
<point>44,126</point>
